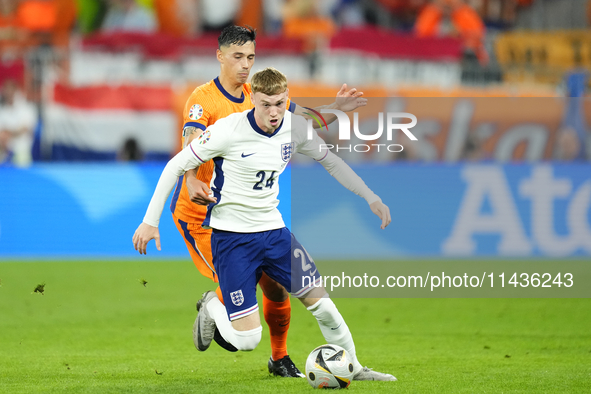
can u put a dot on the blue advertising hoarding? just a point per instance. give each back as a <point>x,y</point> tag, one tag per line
<point>438,210</point>
<point>447,210</point>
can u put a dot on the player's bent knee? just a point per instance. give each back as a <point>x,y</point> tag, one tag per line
<point>311,297</point>
<point>248,340</point>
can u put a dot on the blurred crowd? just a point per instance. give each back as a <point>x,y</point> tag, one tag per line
<point>29,24</point>
<point>34,22</point>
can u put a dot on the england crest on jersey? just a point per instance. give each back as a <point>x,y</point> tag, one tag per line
<point>237,297</point>
<point>286,151</point>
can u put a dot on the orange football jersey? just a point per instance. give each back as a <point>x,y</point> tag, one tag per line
<point>207,104</point>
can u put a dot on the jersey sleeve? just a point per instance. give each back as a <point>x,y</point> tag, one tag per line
<point>213,142</point>
<point>196,112</point>
<point>347,177</point>
<point>317,149</point>
<point>291,106</point>
<point>177,166</point>
<point>202,149</point>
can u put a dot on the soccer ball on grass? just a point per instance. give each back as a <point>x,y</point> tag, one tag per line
<point>329,367</point>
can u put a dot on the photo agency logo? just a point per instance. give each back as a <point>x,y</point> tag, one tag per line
<point>392,120</point>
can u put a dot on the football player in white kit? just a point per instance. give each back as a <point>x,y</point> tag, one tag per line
<point>250,150</point>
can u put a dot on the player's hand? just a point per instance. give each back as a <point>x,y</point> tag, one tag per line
<point>349,100</point>
<point>143,235</point>
<point>199,192</point>
<point>383,212</point>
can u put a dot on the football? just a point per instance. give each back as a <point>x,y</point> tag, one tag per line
<point>329,367</point>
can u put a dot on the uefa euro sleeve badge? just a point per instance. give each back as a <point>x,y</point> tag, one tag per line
<point>204,137</point>
<point>195,112</point>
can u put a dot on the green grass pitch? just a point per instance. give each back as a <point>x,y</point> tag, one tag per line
<point>98,329</point>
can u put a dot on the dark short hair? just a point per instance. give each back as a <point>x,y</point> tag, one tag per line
<point>238,35</point>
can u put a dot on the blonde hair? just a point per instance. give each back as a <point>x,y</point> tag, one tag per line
<point>269,81</point>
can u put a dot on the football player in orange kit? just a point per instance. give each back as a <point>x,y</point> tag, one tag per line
<point>227,94</point>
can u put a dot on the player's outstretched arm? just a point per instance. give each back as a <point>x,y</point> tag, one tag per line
<point>148,230</point>
<point>349,99</point>
<point>349,179</point>
<point>317,150</point>
<point>346,100</point>
<point>199,192</point>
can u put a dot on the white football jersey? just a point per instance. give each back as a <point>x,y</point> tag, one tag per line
<point>248,163</point>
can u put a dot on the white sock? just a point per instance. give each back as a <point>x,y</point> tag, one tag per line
<point>333,327</point>
<point>242,340</point>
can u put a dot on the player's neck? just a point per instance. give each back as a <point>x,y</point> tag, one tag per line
<point>231,87</point>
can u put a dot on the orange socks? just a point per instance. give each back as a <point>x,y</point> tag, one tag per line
<point>277,316</point>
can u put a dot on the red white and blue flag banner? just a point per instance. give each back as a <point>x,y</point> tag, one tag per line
<point>93,123</point>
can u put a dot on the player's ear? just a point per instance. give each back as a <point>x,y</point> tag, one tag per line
<point>251,97</point>
<point>219,55</point>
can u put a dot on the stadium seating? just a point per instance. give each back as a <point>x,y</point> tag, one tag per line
<point>542,57</point>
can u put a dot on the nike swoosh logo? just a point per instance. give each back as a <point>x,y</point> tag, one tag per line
<point>243,155</point>
<point>336,328</point>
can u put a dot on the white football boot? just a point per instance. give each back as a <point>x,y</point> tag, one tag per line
<point>204,327</point>
<point>370,374</point>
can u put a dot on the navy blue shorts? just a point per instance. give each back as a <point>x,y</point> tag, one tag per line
<point>240,259</point>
